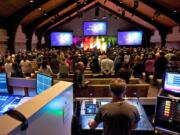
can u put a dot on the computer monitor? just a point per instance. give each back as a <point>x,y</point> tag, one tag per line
<point>167,115</point>
<point>171,82</point>
<point>3,83</point>
<point>90,108</point>
<point>43,82</point>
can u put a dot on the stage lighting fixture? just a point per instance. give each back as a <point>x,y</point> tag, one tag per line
<point>175,11</point>
<point>105,1</point>
<point>115,17</point>
<point>136,4</point>
<point>85,2</point>
<point>31,1</point>
<point>52,20</point>
<point>78,3</point>
<point>157,13</point>
<point>123,13</point>
<point>79,13</point>
<point>56,16</point>
<point>44,13</point>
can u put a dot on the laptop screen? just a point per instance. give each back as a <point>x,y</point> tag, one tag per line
<point>3,84</point>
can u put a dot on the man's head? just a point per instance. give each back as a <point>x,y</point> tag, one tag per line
<point>118,87</point>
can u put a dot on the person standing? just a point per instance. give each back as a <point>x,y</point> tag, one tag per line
<point>118,117</point>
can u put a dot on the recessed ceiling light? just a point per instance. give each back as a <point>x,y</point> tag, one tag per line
<point>31,1</point>
<point>44,13</point>
<point>175,11</point>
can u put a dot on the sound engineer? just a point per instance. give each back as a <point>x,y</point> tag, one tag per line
<point>118,117</point>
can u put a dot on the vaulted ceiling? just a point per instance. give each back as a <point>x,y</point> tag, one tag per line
<point>44,15</point>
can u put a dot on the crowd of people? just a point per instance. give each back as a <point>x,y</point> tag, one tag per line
<point>120,63</point>
<point>116,62</point>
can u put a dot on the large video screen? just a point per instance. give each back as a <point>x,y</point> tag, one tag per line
<point>172,82</point>
<point>130,38</point>
<point>95,28</point>
<point>43,82</point>
<point>61,38</point>
<point>3,83</point>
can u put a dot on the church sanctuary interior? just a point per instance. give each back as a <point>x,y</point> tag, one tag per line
<point>89,67</point>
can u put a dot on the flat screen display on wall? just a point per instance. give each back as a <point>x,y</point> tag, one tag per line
<point>130,38</point>
<point>61,38</point>
<point>95,28</point>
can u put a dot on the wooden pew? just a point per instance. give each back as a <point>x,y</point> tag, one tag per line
<point>101,80</point>
<point>103,90</point>
<point>89,75</point>
<point>159,81</point>
<point>88,72</point>
<point>108,80</point>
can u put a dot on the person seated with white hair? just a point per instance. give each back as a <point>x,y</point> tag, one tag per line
<point>107,66</point>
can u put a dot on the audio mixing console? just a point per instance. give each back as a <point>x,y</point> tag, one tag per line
<point>90,107</point>
<point>8,102</point>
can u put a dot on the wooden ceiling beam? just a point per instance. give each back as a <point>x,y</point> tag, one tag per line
<point>138,26</point>
<point>70,18</point>
<point>20,14</point>
<point>168,12</point>
<point>35,23</point>
<point>46,26</point>
<point>140,15</point>
<point>14,20</point>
